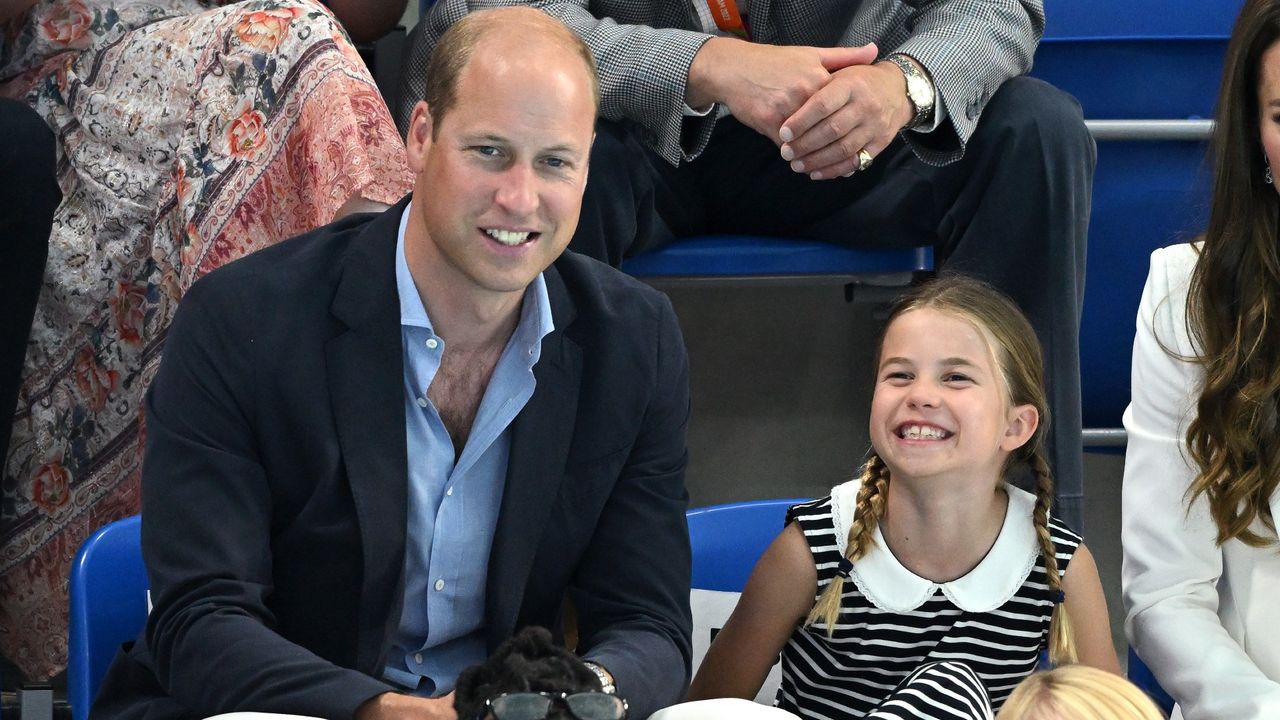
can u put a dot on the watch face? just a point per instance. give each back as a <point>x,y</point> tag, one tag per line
<point>920,92</point>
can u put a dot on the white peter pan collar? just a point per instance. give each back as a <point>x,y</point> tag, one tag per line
<point>891,586</point>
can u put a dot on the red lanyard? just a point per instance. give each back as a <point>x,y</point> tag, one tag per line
<point>725,14</point>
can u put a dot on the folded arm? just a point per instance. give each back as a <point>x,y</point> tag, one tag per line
<point>207,534</point>
<point>631,588</point>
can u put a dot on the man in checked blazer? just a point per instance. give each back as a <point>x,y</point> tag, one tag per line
<point>779,117</point>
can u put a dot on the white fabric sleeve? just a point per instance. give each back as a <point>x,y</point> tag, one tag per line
<point>1172,563</point>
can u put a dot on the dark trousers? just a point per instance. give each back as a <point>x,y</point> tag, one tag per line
<point>28,196</point>
<point>1014,211</point>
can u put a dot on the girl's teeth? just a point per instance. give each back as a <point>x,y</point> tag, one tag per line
<point>917,432</point>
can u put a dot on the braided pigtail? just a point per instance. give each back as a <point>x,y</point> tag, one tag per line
<point>868,510</point>
<point>1062,646</point>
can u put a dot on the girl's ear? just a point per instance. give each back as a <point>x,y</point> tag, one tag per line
<point>1023,421</point>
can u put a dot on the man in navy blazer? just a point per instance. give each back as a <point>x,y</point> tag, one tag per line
<point>278,477</point>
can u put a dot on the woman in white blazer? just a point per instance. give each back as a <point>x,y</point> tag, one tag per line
<point>1201,556</point>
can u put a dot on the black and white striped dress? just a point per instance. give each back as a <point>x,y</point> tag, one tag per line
<point>990,624</point>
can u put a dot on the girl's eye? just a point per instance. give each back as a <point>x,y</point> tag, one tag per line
<point>897,375</point>
<point>956,378</point>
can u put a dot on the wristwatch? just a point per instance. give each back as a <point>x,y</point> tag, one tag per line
<point>920,90</point>
<point>606,680</point>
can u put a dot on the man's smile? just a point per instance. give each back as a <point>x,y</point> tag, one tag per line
<point>510,238</point>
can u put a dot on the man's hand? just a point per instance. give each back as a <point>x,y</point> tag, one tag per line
<point>862,107</point>
<point>763,85</point>
<point>394,706</point>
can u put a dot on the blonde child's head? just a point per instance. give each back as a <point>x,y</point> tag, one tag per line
<point>1078,692</point>
<point>1011,345</point>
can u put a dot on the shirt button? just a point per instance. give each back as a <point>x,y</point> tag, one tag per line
<point>418,658</point>
<point>449,492</point>
<point>432,343</point>
<point>422,402</point>
<point>439,585</point>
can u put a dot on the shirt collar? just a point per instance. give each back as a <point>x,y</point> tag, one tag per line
<point>535,312</point>
<point>889,585</point>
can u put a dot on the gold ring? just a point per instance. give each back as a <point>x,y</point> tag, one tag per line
<point>864,159</point>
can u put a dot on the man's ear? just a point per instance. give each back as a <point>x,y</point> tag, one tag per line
<point>1022,424</point>
<point>418,138</point>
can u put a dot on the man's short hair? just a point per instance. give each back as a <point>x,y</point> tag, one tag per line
<point>529,661</point>
<point>452,54</point>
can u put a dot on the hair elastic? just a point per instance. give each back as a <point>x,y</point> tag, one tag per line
<point>845,568</point>
<point>1058,597</point>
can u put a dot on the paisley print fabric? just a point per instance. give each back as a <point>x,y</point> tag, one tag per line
<point>188,136</point>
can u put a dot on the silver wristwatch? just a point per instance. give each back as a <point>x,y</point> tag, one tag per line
<point>920,90</point>
<point>606,682</point>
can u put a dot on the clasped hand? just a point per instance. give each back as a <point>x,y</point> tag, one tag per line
<point>819,105</point>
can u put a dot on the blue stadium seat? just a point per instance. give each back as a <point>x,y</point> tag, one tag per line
<point>1139,60</point>
<point>727,540</point>
<point>1141,675</point>
<point>740,256</point>
<point>108,606</point>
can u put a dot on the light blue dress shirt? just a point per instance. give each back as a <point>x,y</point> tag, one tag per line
<point>453,502</point>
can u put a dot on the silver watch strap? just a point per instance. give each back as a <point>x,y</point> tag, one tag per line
<point>606,682</point>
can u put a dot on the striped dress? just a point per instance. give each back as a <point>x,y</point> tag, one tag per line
<point>989,625</point>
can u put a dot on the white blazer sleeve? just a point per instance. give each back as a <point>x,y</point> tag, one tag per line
<point>1172,563</point>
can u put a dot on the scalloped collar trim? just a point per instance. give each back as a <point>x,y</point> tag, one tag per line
<point>891,586</point>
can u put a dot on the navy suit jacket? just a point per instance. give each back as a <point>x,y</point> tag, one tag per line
<point>275,484</point>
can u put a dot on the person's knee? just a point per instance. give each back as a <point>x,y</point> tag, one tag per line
<point>28,162</point>
<point>1027,109</point>
<point>29,147</point>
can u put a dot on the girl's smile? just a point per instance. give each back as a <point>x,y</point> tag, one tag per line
<point>940,407</point>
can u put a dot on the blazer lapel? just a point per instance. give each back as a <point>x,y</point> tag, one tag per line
<point>366,369</point>
<point>540,438</point>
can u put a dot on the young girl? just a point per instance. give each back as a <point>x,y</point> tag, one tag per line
<point>929,585</point>
<point>1076,692</point>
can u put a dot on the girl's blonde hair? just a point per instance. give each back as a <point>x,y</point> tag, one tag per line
<point>1016,351</point>
<point>1078,692</point>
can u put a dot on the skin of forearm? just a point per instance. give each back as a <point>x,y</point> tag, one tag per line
<point>700,89</point>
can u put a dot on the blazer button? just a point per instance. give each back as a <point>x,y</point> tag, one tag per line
<point>439,585</point>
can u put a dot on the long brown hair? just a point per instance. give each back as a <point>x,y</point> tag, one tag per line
<point>1233,301</point>
<point>1017,353</point>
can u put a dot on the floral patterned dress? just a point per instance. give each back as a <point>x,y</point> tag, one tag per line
<point>188,135</point>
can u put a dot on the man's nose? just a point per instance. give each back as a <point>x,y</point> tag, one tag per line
<point>517,191</point>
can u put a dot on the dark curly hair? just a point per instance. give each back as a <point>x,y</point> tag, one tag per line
<point>529,661</point>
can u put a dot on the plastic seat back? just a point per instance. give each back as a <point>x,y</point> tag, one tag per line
<point>108,606</point>
<point>727,540</point>
<point>1141,675</point>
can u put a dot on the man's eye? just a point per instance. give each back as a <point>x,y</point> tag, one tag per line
<point>557,163</point>
<point>486,150</point>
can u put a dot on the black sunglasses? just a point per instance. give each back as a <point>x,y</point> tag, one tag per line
<point>538,705</point>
